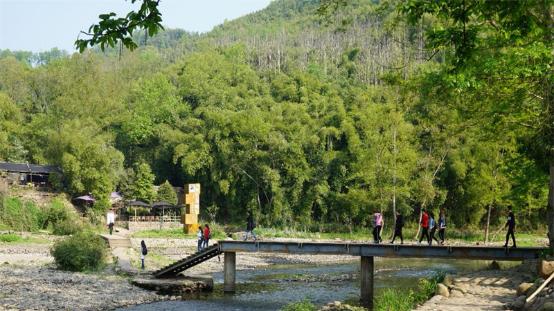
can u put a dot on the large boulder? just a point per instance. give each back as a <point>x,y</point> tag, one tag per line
<point>523,288</point>
<point>448,280</point>
<point>442,290</point>
<point>546,268</point>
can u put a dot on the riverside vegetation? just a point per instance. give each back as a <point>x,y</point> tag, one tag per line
<point>389,299</point>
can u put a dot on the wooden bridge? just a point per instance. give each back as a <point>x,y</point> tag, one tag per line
<point>366,252</point>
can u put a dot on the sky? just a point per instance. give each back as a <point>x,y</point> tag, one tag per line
<point>40,25</point>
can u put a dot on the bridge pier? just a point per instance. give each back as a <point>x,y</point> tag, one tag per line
<point>229,271</point>
<point>366,281</point>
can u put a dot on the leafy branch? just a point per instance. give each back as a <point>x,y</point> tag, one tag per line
<point>112,29</point>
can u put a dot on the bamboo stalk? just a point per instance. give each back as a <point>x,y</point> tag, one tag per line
<point>540,288</point>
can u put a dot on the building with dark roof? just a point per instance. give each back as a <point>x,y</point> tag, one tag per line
<point>25,173</point>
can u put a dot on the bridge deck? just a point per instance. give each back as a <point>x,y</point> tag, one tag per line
<point>384,250</point>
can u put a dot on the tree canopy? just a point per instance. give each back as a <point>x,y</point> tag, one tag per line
<point>306,125</point>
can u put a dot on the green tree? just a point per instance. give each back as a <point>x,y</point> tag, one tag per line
<point>143,183</point>
<point>11,129</point>
<point>503,46</point>
<point>166,193</point>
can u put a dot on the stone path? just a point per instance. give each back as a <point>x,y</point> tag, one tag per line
<point>483,290</point>
<point>120,245</point>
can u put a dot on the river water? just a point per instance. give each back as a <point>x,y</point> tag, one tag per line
<point>272,288</point>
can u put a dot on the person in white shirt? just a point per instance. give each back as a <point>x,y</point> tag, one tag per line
<point>200,236</point>
<point>110,220</point>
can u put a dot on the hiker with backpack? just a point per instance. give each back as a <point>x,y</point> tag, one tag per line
<point>207,236</point>
<point>399,224</point>
<point>143,253</point>
<point>250,225</point>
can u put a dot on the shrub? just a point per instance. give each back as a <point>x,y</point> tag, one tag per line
<point>67,226</point>
<point>20,216</point>
<point>405,300</point>
<point>10,238</point>
<point>84,251</point>
<point>62,220</point>
<point>304,305</point>
<point>395,299</point>
<point>95,217</point>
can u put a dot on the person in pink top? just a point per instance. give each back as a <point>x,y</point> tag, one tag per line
<point>377,225</point>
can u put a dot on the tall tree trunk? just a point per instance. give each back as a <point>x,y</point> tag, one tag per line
<point>495,175</point>
<point>394,181</point>
<point>487,229</point>
<point>551,203</point>
<point>549,105</point>
<point>420,217</point>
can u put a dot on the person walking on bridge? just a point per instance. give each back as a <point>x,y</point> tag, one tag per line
<point>432,228</point>
<point>511,225</point>
<point>398,225</point>
<point>207,236</point>
<point>442,226</point>
<point>377,225</point>
<point>424,223</point>
<point>250,225</point>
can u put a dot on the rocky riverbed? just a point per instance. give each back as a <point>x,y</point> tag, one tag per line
<point>29,280</point>
<point>44,288</point>
<point>493,290</point>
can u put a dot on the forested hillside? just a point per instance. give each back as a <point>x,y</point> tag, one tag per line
<point>307,121</point>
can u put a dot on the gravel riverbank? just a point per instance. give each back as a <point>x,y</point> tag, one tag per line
<point>29,280</point>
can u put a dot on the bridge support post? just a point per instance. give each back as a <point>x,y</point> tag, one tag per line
<point>229,271</point>
<point>366,279</point>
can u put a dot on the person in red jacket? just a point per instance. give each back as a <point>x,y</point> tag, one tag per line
<point>424,226</point>
<point>207,235</point>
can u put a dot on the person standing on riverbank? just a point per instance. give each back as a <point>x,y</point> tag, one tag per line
<point>143,253</point>
<point>207,236</point>
<point>377,225</point>
<point>398,225</point>
<point>442,226</point>
<point>511,225</point>
<point>250,225</point>
<point>200,236</point>
<point>424,223</point>
<point>432,229</point>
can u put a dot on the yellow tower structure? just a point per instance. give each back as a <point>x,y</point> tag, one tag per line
<point>192,208</point>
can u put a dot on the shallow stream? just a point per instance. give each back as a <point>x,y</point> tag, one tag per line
<point>272,288</point>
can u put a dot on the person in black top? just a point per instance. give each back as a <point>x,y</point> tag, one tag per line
<point>250,227</point>
<point>398,228</point>
<point>511,225</point>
